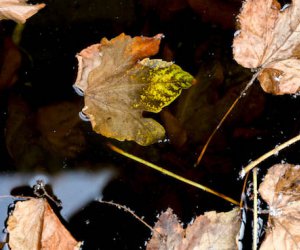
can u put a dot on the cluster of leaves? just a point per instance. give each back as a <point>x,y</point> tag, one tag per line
<point>119,82</point>
<point>280,189</point>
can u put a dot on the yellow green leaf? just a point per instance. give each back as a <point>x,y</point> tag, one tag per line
<point>164,82</point>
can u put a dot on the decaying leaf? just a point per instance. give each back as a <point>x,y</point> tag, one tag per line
<point>120,83</point>
<point>281,189</point>
<point>18,10</point>
<point>269,40</point>
<point>209,231</point>
<point>34,226</point>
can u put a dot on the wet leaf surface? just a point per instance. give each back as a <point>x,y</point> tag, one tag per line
<point>280,189</point>
<point>269,39</point>
<point>120,83</point>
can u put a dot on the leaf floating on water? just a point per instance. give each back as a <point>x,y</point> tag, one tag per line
<point>120,83</point>
<point>280,189</point>
<point>269,39</point>
<point>33,226</point>
<point>209,231</point>
<point>18,10</point>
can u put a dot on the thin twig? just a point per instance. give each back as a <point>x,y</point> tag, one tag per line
<point>254,163</point>
<point>225,116</point>
<point>128,210</point>
<point>255,232</point>
<point>169,173</point>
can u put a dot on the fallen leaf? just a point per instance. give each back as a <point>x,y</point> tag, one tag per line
<point>18,10</point>
<point>209,231</point>
<point>269,40</point>
<point>280,189</point>
<point>33,226</point>
<point>119,83</point>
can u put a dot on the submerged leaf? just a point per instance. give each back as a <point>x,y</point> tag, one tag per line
<point>269,39</point>
<point>280,189</point>
<point>209,231</point>
<point>33,226</point>
<point>119,83</point>
<point>18,10</point>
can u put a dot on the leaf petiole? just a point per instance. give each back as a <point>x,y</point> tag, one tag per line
<point>171,174</point>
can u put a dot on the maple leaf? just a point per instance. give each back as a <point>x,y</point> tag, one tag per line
<point>280,189</point>
<point>18,10</point>
<point>269,41</point>
<point>119,83</point>
<point>209,231</point>
<point>33,225</point>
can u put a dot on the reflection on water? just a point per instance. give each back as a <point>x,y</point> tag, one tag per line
<point>74,189</point>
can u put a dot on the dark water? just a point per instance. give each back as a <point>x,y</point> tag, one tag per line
<point>42,137</point>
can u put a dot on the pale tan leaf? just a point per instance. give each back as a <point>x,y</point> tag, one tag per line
<point>33,226</point>
<point>269,38</point>
<point>281,190</point>
<point>18,10</point>
<point>209,231</point>
<point>213,231</point>
<point>25,225</point>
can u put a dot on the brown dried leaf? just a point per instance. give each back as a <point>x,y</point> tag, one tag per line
<point>209,231</point>
<point>119,83</point>
<point>18,10</point>
<point>269,38</point>
<point>34,226</point>
<point>281,189</point>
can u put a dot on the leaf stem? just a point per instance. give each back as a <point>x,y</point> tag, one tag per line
<point>171,174</point>
<point>249,84</point>
<point>128,210</point>
<point>275,150</point>
<point>255,229</point>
